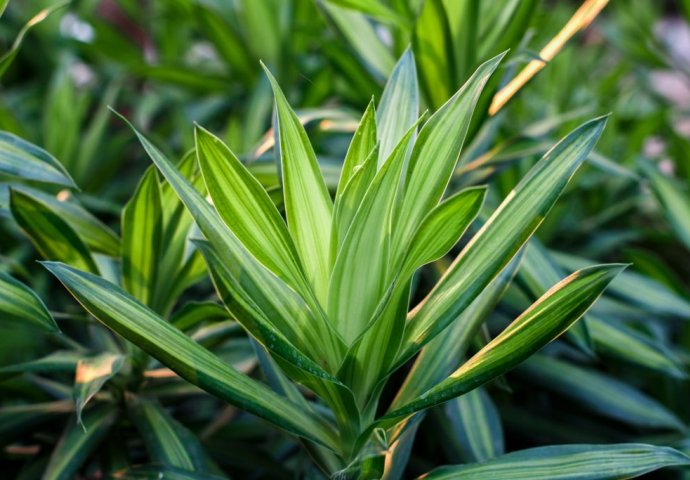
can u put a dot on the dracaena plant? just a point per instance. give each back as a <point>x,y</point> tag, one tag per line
<point>326,290</point>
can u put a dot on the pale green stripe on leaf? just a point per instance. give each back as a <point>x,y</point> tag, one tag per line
<point>19,158</point>
<point>308,205</point>
<point>399,106</point>
<point>246,208</point>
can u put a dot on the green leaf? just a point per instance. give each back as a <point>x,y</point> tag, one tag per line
<point>235,192</point>
<point>372,8</point>
<point>435,155</point>
<point>619,341</point>
<point>433,48</point>
<point>167,441</point>
<point>141,239</point>
<point>193,313</point>
<point>674,202</point>
<point>55,363</point>
<point>399,105</point>
<point>90,376</point>
<point>473,427</point>
<point>308,205</point>
<point>361,36</point>
<point>19,158</point>
<point>52,236</point>
<point>443,227</point>
<point>135,322</point>
<point>545,320</point>
<point>656,297</point>
<point>361,266</point>
<point>490,250</point>
<point>21,307</point>
<point>77,443</point>
<point>561,462</point>
<point>362,143</point>
<point>599,392</point>
<point>9,56</point>
<point>94,233</point>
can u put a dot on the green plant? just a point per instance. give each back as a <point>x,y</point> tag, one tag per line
<point>327,294</point>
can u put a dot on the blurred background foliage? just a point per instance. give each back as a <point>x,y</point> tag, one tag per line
<point>166,65</point>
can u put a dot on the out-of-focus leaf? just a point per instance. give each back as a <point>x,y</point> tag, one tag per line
<point>21,307</point>
<point>473,427</point>
<point>19,158</point>
<point>8,57</point>
<point>167,441</point>
<point>372,8</point>
<point>55,363</point>
<point>599,392</point>
<point>674,202</point>
<point>362,37</point>
<point>193,313</point>
<point>561,462</point>
<point>433,48</point>
<point>637,289</point>
<point>51,235</point>
<point>157,472</point>
<point>77,443</point>
<point>90,376</point>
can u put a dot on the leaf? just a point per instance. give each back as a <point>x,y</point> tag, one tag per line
<point>560,462</point>
<point>167,441</point>
<point>656,298</point>
<point>135,322</point>
<point>94,233</point>
<point>308,205</point>
<point>622,342</point>
<point>21,307</point>
<point>361,36</point>
<point>90,376</point>
<point>362,144</point>
<point>55,363</point>
<point>51,236</point>
<point>76,443</point>
<point>19,158</point>
<point>193,313</point>
<point>9,56</point>
<point>443,227</point>
<point>538,272</point>
<point>235,192</point>
<point>433,47</point>
<point>399,105</point>
<point>435,155</point>
<point>490,250</point>
<point>230,249</point>
<point>545,320</point>
<point>141,239</point>
<point>473,427</point>
<point>372,8</point>
<point>361,265</point>
<point>599,392</point>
